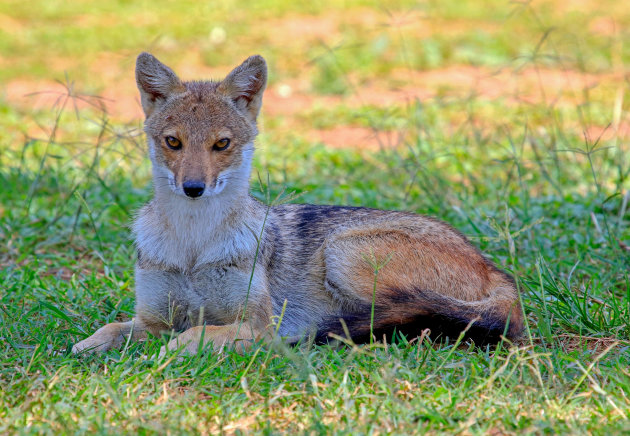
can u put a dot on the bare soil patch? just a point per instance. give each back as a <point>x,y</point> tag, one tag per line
<point>292,97</point>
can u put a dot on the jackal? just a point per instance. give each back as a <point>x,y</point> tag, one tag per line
<point>209,269</point>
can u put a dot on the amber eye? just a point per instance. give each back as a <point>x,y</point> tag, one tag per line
<point>221,144</point>
<point>173,142</point>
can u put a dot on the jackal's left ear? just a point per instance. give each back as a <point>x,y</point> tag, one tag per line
<point>245,85</point>
<point>156,82</point>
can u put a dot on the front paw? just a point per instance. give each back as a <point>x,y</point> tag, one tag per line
<point>94,344</point>
<point>163,352</point>
<point>180,347</point>
<point>105,338</point>
<point>193,341</point>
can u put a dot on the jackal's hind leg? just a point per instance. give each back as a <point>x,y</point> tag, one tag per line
<point>415,280</point>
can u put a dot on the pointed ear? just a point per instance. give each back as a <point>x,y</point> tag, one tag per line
<point>245,85</point>
<point>156,82</point>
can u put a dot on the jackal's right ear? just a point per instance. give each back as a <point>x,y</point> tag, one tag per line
<point>156,82</point>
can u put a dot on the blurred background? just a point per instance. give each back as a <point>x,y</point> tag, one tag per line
<point>338,69</point>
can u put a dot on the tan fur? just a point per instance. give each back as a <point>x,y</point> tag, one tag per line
<point>112,335</point>
<point>203,272</point>
<point>242,334</point>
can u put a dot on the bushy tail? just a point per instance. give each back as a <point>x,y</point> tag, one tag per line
<point>411,312</point>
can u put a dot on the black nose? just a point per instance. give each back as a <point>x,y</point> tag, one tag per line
<point>194,189</point>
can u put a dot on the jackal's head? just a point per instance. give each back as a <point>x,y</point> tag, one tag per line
<point>201,134</point>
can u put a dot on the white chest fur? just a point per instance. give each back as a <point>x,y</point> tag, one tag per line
<point>203,253</point>
<point>181,233</point>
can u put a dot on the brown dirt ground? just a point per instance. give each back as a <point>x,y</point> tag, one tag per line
<point>293,97</point>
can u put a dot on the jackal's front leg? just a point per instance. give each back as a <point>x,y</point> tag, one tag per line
<point>111,336</point>
<point>242,335</point>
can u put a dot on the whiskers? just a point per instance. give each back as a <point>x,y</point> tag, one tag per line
<point>164,182</point>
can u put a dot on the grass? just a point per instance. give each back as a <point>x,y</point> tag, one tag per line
<point>537,177</point>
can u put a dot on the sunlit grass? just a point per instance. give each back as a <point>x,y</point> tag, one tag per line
<point>540,186</point>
